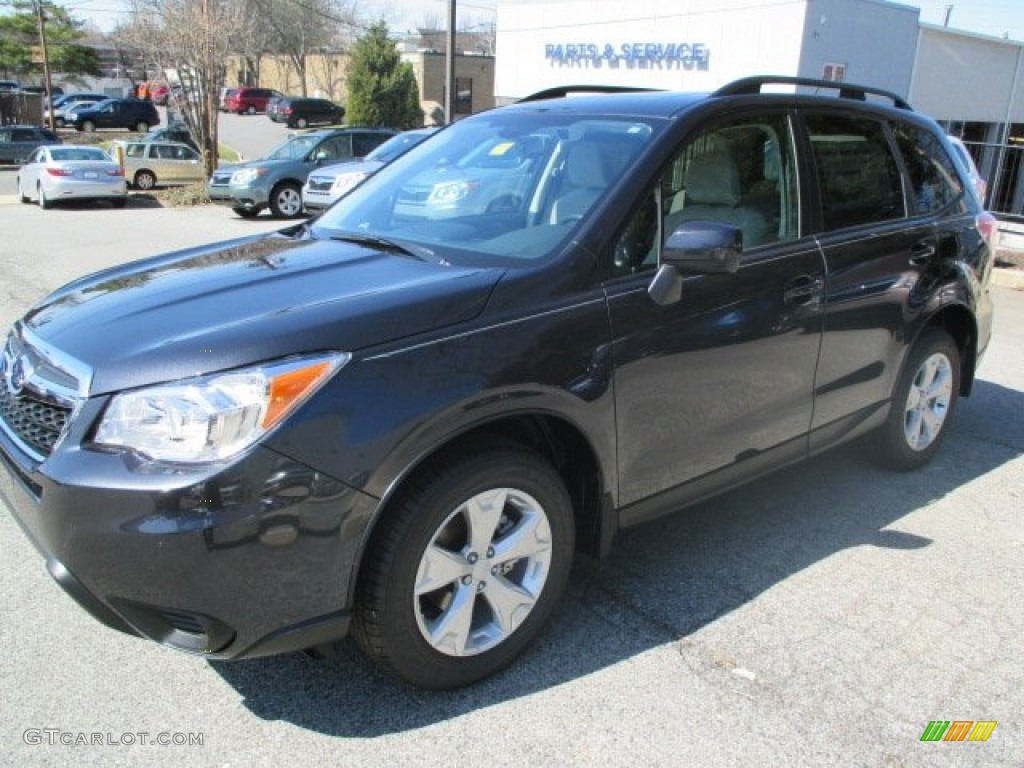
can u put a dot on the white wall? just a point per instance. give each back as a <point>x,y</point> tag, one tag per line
<point>961,76</point>
<point>875,40</point>
<point>741,37</point>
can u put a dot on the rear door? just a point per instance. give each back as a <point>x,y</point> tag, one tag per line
<point>719,383</point>
<point>877,252</point>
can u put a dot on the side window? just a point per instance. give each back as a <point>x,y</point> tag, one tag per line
<point>336,148</point>
<point>858,177</point>
<point>363,143</point>
<point>934,180</point>
<point>739,171</point>
<point>135,150</point>
<point>21,134</point>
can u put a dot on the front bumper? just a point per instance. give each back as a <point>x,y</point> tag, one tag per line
<point>248,559</point>
<point>249,197</point>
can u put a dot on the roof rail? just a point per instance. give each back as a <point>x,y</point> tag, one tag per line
<point>561,91</point>
<point>752,85</point>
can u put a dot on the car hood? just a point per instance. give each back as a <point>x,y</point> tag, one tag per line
<point>340,169</point>
<point>250,300</point>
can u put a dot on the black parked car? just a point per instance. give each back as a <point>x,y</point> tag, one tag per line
<point>131,114</point>
<point>301,112</point>
<point>550,321</point>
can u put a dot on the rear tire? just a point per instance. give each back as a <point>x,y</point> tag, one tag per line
<point>21,194</point>
<point>923,403</point>
<point>142,126</point>
<point>466,567</point>
<point>251,110</point>
<point>44,202</point>
<point>301,123</point>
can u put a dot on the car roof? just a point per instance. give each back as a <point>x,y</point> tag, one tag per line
<point>643,102</point>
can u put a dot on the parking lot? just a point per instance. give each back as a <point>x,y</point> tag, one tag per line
<point>823,616</point>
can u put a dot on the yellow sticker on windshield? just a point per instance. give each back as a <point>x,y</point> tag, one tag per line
<point>501,149</point>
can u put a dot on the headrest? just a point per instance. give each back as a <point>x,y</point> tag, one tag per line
<point>713,179</point>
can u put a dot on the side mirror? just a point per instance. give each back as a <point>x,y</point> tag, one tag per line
<point>704,247</point>
<point>695,248</point>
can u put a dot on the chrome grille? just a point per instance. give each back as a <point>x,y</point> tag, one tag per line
<point>221,179</point>
<point>39,390</point>
<point>320,185</point>
<point>36,423</point>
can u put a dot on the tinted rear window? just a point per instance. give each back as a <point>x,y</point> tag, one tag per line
<point>858,177</point>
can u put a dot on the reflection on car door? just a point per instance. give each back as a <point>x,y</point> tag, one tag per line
<point>722,379</point>
<point>877,265</point>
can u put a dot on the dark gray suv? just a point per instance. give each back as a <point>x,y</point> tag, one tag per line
<point>549,322</point>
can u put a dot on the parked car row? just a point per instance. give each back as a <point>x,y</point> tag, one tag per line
<point>276,181</point>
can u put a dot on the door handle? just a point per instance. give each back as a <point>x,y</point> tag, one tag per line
<point>802,290</point>
<point>922,252</point>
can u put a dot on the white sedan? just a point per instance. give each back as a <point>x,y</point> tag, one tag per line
<point>331,182</point>
<point>56,173</point>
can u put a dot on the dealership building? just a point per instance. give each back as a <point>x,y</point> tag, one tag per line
<point>972,84</point>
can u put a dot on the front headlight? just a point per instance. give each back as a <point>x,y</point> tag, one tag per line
<point>450,192</point>
<point>247,175</point>
<point>346,181</point>
<point>212,418</point>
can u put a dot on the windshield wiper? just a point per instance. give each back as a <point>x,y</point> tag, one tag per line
<point>383,244</point>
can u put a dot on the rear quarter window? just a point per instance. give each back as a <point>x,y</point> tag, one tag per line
<point>934,181</point>
<point>859,179</point>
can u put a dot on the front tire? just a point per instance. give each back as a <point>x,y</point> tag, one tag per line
<point>923,403</point>
<point>466,568</point>
<point>286,201</point>
<point>144,180</point>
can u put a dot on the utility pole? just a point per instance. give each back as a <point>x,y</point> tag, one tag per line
<point>449,88</point>
<point>46,59</point>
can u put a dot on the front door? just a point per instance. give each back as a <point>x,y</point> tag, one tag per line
<point>724,377</point>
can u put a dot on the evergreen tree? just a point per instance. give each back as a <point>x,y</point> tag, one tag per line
<point>382,90</point>
<point>19,35</point>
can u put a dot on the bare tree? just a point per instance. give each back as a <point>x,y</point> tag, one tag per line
<point>190,41</point>
<point>298,28</point>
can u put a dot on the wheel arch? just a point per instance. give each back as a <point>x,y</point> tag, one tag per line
<point>958,321</point>
<point>150,171</point>
<point>555,438</point>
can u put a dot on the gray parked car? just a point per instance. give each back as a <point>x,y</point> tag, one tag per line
<point>276,180</point>
<point>18,141</point>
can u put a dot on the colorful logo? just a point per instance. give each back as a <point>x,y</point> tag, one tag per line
<point>958,730</point>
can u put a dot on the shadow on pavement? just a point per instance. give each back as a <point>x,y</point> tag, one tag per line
<point>662,582</point>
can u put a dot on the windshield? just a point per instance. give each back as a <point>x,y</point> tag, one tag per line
<point>396,145</point>
<point>296,148</point>
<point>497,187</point>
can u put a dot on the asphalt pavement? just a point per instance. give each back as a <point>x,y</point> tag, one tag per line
<point>823,616</point>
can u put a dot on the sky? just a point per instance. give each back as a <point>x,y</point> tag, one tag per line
<point>988,17</point>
